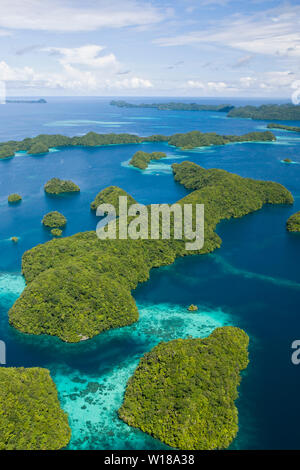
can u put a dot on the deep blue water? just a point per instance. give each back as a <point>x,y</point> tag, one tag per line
<point>253,281</point>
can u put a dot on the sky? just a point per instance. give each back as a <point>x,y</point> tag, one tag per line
<point>197,48</point>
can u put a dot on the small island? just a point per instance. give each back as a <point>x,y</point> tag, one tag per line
<point>14,198</point>
<point>111,195</point>
<point>14,239</point>
<point>56,232</point>
<point>58,186</point>
<point>54,220</point>
<point>266,112</point>
<point>183,391</point>
<point>141,159</point>
<point>283,127</point>
<point>81,273</point>
<point>293,223</point>
<point>31,417</point>
<point>175,106</point>
<point>287,160</point>
<point>193,308</point>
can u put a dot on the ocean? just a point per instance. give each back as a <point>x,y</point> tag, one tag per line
<point>252,281</point>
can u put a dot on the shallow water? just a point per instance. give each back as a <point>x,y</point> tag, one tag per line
<point>252,281</point>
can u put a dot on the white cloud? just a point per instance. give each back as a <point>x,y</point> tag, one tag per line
<point>207,86</point>
<point>8,73</point>
<point>134,83</point>
<point>71,78</point>
<point>88,55</point>
<point>64,15</point>
<point>273,32</point>
<point>217,86</point>
<point>268,82</point>
<point>279,79</point>
<point>247,82</point>
<point>195,84</point>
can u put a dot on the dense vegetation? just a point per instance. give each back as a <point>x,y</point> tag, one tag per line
<point>42,143</point>
<point>54,220</point>
<point>14,198</point>
<point>183,391</point>
<point>30,413</point>
<point>6,151</point>
<point>293,223</point>
<point>111,195</point>
<point>79,286</point>
<point>142,159</point>
<point>282,126</point>
<point>194,139</point>
<point>56,232</point>
<point>279,112</point>
<point>175,106</point>
<point>58,186</point>
<point>38,148</point>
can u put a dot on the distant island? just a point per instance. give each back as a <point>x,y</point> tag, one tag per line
<point>175,106</point>
<point>40,101</point>
<point>142,159</point>
<point>84,284</point>
<point>183,391</point>
<point>266,112</point>
<point>31,417</point>
<point>283,127</point>
<point>42,143</point>
<point>293,223</point>
<point>58,186</point>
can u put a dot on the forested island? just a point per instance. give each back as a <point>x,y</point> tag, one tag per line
<point>111,195</point>
<point>84,284</point>
<point>141,159</point>
<point>190,140</point>
<point>54,220</point>
<point>266,112</point>
<point>293,223</point>
<point>58,186</point>
<point>175,106</point>
<point>283,127</point>
<point>42,143</point>
<point>30,414</point>
<point>14,198</point>
<point>183,391</point>
<point>56,232</point>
